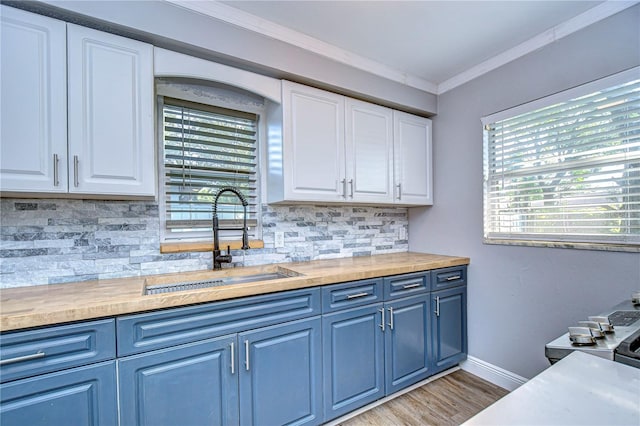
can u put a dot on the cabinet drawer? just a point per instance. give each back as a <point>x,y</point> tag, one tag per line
<point>406,285</point>
<point>27,353</point>
<point>161,329</point>
<point>448,277</point>
<point>352,294</point>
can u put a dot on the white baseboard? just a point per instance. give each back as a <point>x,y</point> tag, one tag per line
<point>492,373</point>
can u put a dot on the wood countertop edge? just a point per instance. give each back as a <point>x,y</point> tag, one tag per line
<point>131,301</point>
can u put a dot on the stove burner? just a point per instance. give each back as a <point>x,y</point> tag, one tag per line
<point>624,318</point>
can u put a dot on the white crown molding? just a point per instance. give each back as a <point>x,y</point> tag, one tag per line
<point>278,32</point>
<point>270,29</point>
<point>591,16</point>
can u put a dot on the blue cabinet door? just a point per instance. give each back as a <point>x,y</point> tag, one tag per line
<point>449,327</point>
<point>280,374</point>
<point>193,384</point>
<point>78,396</point>
<point>407,343</point>
<point>353,359</point>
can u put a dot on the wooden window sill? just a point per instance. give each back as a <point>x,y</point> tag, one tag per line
<point>191,246</point>
<point>630,248</point>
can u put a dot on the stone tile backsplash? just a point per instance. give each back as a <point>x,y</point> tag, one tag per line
<point>48,241</point>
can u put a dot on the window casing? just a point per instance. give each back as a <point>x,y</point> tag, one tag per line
<point>566,168</point>
<point>206,148</point>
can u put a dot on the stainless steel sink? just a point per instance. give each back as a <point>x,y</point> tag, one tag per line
<point>275,274</point>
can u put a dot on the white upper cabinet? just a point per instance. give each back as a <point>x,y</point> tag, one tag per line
<point>33,123</point>
<point>111,138</point>
<point>412,159</point>
<point>369,152</point>
<point>313,154</point>
<point>77,110</point>
<point>324,147</point>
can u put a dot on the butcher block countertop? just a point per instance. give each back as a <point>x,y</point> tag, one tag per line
<point>25,307</point>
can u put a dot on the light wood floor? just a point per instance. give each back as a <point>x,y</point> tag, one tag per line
<point>449,400</point>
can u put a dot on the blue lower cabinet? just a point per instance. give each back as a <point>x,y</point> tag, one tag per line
<point>78,396</point>
<point>407,342</point>
<point>281,374</point>
<point>449,327</point>
<point>353,359</point>
<point>266,361</point>
<point>192,384</point>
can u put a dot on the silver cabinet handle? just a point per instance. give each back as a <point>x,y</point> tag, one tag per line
<point>437,306</point>
<point>76,182</point>
<point>37,355</point>
<point>399,191</point>
<point>391,318</point>
<point>381,325</point>
<point>344,188</point>
<point>355,296</point>
<point>233,358</point>
<point>407,286</point>
<point>455,277</point>
<point>56,160</point>
<point>246,355</point>
<point>351,185</point>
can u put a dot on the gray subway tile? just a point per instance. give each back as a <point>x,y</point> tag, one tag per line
<point>26,206</point>
<point>122,238</point>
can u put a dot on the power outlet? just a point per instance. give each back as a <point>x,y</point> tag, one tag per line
<point>279,239</point>
<point>402,233</point>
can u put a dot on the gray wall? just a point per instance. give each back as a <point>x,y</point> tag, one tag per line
<point>522,297</point>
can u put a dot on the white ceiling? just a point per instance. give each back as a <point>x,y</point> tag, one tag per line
<point>432,45</point>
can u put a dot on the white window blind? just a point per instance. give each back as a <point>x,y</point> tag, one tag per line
<point>207,148</point>
<point>568,171</point>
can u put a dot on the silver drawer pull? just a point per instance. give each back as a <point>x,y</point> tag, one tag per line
<point>390,324</point>
<point>22,358</point>
<point>233,357</point>
<point>56,160</point>
<point>246,355</point>
<point>76,181</point>
<point>455,277</point>
<point>355,296</point>
<point>406,286</point>
<point>382,323</point>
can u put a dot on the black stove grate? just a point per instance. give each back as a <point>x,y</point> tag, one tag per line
<point>624,318</point>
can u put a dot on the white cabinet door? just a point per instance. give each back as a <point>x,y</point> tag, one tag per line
<point>369,152</point>
<point>33,142</point>
<point>413,161</point>
<point>313,137</point>
<point>111,137</point>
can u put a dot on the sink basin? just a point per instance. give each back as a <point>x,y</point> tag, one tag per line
<point>266,275</point>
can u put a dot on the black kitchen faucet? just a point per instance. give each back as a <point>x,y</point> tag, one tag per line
<point>218,258</point>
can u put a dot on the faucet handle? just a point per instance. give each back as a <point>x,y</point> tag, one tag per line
<point>245,240</point>
<point>228,249</point>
